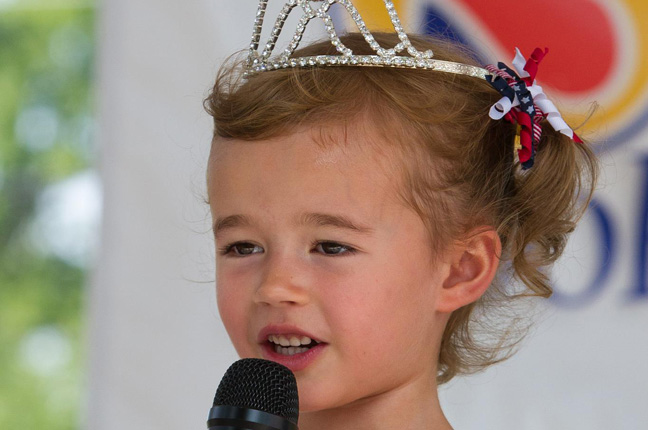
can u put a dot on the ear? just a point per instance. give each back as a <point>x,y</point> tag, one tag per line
<point>473,264</point>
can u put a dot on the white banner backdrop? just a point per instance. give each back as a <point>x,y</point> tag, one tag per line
<point>157,347</point>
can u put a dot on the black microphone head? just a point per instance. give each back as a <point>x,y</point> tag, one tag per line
<point>262,385</point>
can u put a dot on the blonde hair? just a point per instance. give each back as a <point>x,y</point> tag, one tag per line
<point>458,166</point>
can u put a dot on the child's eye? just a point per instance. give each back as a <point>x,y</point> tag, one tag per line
<point>333,248</point>
<point>241,249</point>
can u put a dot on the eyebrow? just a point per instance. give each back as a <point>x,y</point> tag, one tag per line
<point>337,221</point>
<point>311,218</point>
<point>232,221</point>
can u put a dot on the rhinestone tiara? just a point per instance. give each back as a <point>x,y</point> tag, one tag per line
<point>261,61</point>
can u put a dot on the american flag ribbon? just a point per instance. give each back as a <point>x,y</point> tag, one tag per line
<point>524,103</point>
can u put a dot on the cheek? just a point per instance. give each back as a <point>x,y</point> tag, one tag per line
<point>233,284</point>
<point>233,307</point>
<point>383,304</point>
<point>227,301</point>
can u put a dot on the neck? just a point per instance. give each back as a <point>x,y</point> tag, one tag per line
<point>405,408</point>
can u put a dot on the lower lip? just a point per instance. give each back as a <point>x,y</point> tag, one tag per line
<point>294,362</point>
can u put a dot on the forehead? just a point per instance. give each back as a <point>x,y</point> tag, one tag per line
<point>308,168</point>
<point>329,143</point>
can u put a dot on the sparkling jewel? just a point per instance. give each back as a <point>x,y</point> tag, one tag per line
<point>384,56</point>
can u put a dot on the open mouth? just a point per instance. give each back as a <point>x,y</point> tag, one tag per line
<point>291,344</point>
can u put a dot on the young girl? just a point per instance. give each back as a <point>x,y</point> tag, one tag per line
<point>361,215</point>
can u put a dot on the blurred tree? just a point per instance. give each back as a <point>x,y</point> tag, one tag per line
<point>46,151</point>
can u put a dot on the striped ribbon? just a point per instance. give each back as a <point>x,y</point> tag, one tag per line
<point>524,102</point>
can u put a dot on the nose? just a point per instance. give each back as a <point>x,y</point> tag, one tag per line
<point>283,283</point>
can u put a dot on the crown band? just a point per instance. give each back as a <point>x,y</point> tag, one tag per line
<point>374,61</point>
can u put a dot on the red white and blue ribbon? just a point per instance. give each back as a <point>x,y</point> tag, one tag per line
<point>524,103</point>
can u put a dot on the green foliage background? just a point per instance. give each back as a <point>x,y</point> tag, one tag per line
<point>46,64</point>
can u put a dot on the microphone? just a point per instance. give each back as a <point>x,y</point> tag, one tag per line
<point>255,394</point>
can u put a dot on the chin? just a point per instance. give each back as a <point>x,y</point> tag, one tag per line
<point>313,408</point>
<point>311,402</point>
<point>315,398</point>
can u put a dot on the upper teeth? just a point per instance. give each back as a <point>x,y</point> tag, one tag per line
<point>283,340</point>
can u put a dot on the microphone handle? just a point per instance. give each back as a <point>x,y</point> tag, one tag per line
<point>225,417</point>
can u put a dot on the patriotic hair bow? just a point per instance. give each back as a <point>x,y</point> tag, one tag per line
<point>524,103</point>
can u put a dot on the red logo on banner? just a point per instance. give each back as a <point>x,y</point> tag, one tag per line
<point>579,33</point>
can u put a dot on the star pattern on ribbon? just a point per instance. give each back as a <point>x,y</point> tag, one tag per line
<point>524,103</point>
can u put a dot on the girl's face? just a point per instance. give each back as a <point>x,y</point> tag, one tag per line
<point>321,268</point>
